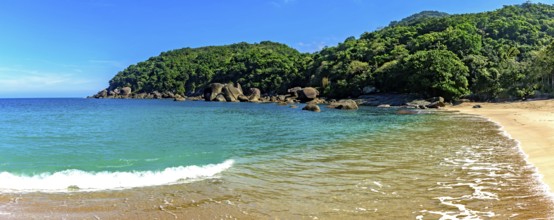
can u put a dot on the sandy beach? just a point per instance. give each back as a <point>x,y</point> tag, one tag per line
<point>529,122</point>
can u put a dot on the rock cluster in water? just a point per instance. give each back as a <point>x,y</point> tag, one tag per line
<point>233,92</point>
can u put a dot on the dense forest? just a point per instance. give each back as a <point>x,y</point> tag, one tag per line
<point>507,53</point>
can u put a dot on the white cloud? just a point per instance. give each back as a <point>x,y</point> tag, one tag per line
<point>107,62</point>
<point>281,3</point>
<point>28,80</point>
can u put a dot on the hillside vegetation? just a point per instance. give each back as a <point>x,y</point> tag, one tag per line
<point>507,53</point>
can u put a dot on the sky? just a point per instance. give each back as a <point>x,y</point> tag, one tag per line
<point>72,48</point>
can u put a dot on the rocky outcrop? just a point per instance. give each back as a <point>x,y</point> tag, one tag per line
<point>345,104</point>
<point>311,107</point>
<point>125,91</point>
<point>437,102</point>
<point>212,91</point>
<point>231,93</point>
<point>243,98</point>
<point>307,94</point>
<point>255,95</point>
<point>179,98</point>
<point>294,91</point>
<point>219,98</point>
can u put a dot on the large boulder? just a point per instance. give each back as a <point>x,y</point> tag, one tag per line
<point>437,102</point>
<point>231,92</point>
<point>212,91</point>
<point>141,95</point>
<point>219,98</point>
<point>307,94</point>
<point>240,88</point>
<point>255,94</point>
<point>294,91</point>
<point>311,107</point>
<point>101,94</point>
<point>125,91</point>
<point>157,95</point>
<point>243,98</point>
<point>179,98</point>
<point>346,104</point>
<point>168,95</point>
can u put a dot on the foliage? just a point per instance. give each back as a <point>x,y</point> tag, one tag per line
<point>271,67</point>
<point>505,53</point>
<point>488,55</point>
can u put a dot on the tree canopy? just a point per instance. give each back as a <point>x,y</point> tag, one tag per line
<point>505,53</point>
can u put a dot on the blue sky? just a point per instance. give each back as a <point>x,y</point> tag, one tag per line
<point>67,48</point>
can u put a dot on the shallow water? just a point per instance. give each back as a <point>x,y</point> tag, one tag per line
<point>266,161</point>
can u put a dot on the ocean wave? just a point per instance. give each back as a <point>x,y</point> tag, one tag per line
<point>78,180</point>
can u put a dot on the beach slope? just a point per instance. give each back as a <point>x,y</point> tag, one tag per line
<point>529,122</point>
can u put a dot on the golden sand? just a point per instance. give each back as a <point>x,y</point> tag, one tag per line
<point>529,122</point>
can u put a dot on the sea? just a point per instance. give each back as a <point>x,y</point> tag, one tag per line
<point>159,159</point>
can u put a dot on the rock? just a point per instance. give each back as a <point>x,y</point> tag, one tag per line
<point>437,104</point>
<point>101,94</point>
<point>231,93</point>
<point>125,91</point>
<point>281,98</point>
<point>282,103</point>
<point>294,91</point>
<point>383,106</point>
<point>422,107</point>
<point>307,94</point>
<point>346,104</point>
<point>273,99</point>
<point>254,95</point>
<point>240,88</point>
<point>195,98</point>
<point>318,101</point>
<point>418,102</point>
<point>477,106</point>
<point>293,106</point>
<point>112,93</point>
<point>311,107</point>
<point>141,95</point>
<point>157,95</point>
<point>243,98</point>
<point>179,98</point>
<point>290,100</point>
<point>212,91</point>
<point>219,98</point>
<point>168,95</point>
<point>116,91</point>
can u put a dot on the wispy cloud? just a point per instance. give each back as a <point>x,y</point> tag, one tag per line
<point>113,63</point>
<point>28,80</point>
<point>281,3</point>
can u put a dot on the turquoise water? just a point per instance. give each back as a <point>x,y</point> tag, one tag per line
<point>164,159</point>
<point>40,137</point>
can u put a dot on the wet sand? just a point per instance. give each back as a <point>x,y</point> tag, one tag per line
<point>529,122</point>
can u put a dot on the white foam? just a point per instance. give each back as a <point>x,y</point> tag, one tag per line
<point>543,186</point>
<point>95,181</point>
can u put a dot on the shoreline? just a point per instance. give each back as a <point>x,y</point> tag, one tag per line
<point>531,124</point>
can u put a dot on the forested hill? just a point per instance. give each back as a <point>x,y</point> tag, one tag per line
<point>498,54</point>
<point>268,66</point>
